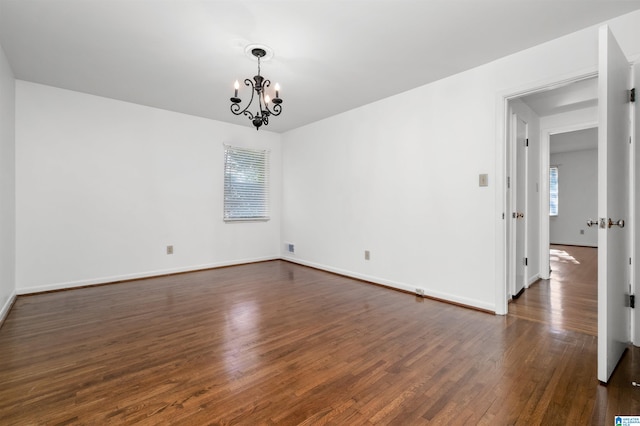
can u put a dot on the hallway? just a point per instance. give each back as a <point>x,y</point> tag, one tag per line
<point>569,299</point>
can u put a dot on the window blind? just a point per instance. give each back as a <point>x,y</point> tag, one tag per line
<point>553,191</point>
<point>246,184</point>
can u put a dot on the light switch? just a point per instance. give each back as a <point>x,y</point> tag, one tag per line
<point>484,179</point>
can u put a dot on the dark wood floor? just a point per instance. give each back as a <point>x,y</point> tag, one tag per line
<point>278,343</point>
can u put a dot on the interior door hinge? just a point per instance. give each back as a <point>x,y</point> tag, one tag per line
<point>526,142</point>
<point>632,301</point>
<point>508,181</point>
<point>632,95</point>
<point>526,261</point>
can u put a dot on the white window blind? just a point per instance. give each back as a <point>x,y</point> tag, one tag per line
<point>246,184</point>
<point>553,191</point>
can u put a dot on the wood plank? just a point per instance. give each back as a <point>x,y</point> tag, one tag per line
<point>279,343</point>
<point>569,299</point>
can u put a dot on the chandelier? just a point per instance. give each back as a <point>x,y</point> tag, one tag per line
<point>258,88</point>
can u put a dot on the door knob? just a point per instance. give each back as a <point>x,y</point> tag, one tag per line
<point>619,222</point>
<point>591,222</point>
<point>518,215</point>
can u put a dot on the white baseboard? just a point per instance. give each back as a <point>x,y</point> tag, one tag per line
<point>376,280</point>
<point>397,285</point>
<point>533,279</point>
<point>128,277</point>
<point>7,307</point>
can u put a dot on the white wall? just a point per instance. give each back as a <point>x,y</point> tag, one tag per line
<point>7,186</point>
<point>399,177</point>
<point>103,186</point>
<point>578,198</point>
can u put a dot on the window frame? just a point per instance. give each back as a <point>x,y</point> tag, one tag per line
<point>246,184</point>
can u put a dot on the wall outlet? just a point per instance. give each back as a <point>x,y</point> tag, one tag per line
<point>290,248</point>
<point>582,232</point>
<point>367,255</point>
<point>169,249</point>
<point>483,179</point>
<point>420,292</point>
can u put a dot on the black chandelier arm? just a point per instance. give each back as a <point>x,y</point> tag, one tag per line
<point>275,110</point>
<point>236,109</point>
<point>248,113</point>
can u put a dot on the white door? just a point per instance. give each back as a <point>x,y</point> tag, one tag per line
<point>613,204</point>
<point>635,230</point>
<point>520,218</point>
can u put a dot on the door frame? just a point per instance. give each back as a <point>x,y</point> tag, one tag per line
<point>503,226</point>
<point>545,163</point>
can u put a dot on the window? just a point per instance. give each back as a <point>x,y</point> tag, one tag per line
<point>553,191</point>
<point>246,184</point>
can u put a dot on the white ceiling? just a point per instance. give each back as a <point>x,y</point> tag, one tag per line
<point>329,55</point>
<point>574,141</point>
<point>574,96</point>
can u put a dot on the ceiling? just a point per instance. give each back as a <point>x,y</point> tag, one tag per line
<point>330,56</point>
<point>574,141</point>
<point>574,96</point>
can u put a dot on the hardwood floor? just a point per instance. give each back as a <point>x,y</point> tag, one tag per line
<point>569,299</point>
<point>279,343</point>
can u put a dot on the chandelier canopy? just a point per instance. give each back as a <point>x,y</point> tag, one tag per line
<point>258,86</point>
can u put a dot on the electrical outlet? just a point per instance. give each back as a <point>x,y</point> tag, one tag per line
<point>582,232</point>
<point>290,248</point>
<point>169,249</point>
<point>483,179</point>
<point>367,255</point>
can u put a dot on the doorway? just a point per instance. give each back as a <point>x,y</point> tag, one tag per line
<point>616,122</point>
<point>563,121</point>
<point>567,298</point>
<point>563,114</point>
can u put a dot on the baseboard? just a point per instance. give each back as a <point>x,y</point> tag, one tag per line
<point>445,297</point>
<point>574,245</point>
<point>129,277</point>
<point>7,307</point>
<point>533,279</point>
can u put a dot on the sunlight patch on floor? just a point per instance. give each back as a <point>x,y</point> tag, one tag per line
<point>562,256</point>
